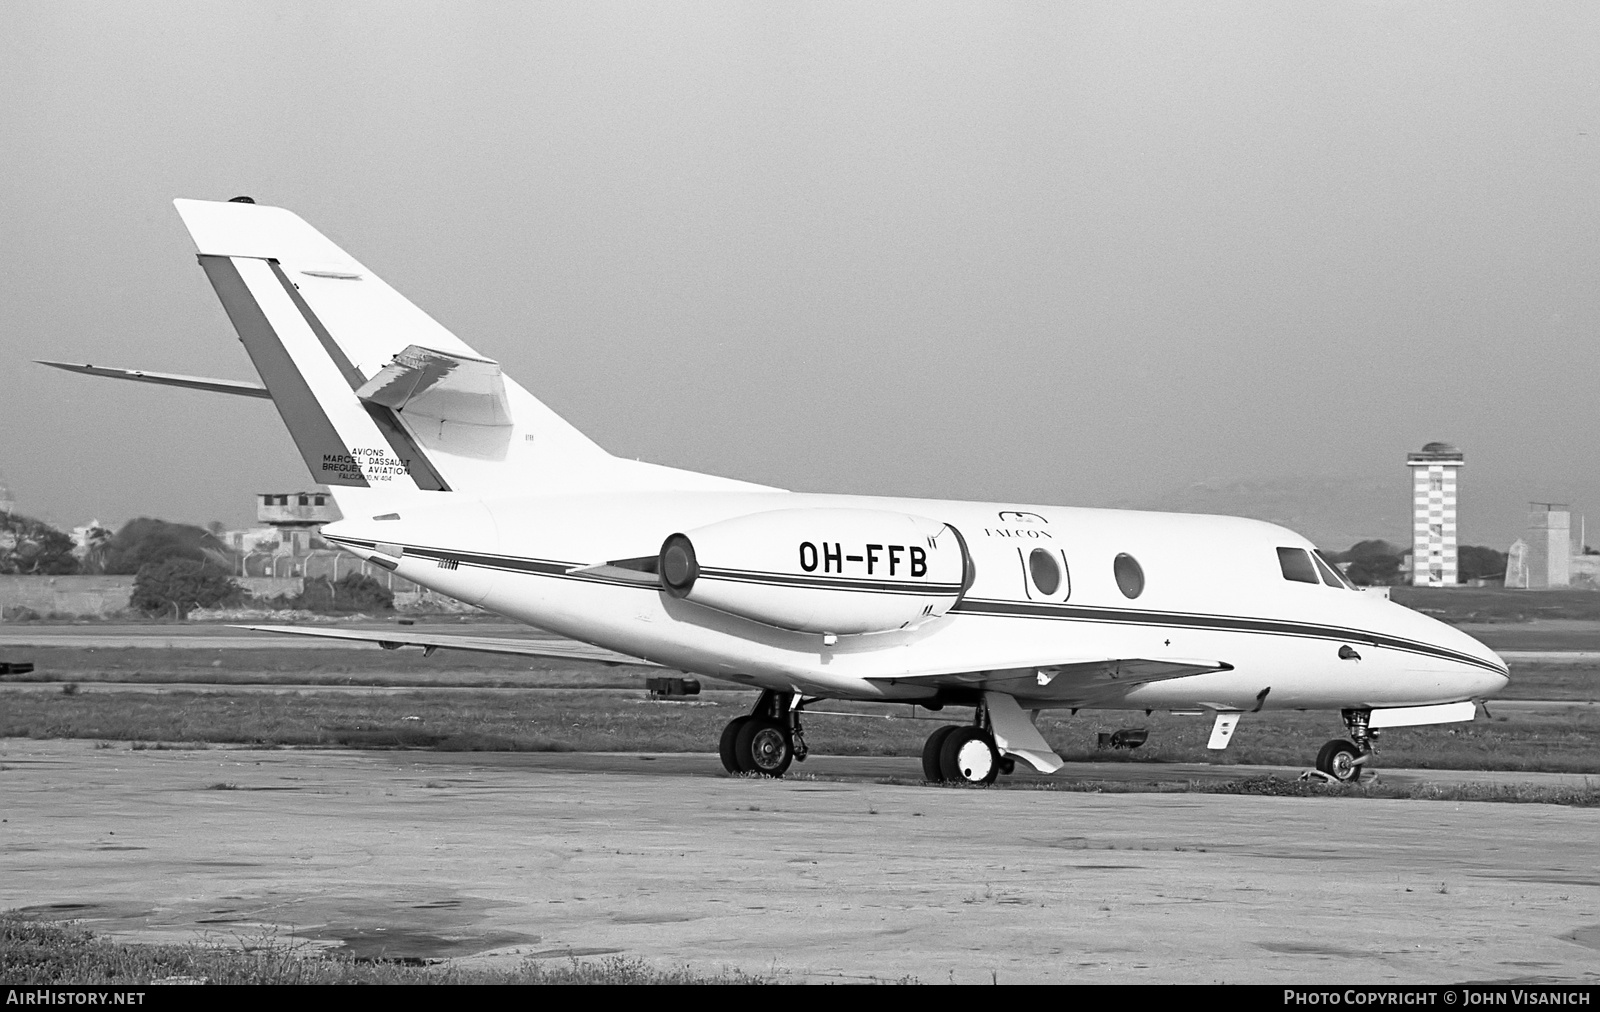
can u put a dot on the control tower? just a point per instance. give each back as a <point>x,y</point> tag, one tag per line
<point>1433,517</point>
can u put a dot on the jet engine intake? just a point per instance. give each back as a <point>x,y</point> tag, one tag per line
<point>822,570</point>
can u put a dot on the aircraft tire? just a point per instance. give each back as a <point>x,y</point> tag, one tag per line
<point>730,736</point>
<point>967,756</point>
<point>1337,760</point>
<point>931,770</point>
<point>763,746</point>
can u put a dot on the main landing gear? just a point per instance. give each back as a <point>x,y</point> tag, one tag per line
<point>1343,761</point>
<point>767,739</point>
<point>964,754</point>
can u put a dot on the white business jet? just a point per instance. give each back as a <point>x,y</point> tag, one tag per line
<point>451,475</point>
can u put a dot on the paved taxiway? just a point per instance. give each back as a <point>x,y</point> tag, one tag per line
<point>439,854</point>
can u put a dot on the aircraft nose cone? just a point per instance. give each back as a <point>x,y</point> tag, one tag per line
<point>1492,683</point>
<point>1485,682</point>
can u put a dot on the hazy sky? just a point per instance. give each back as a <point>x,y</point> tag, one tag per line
<point>1066,253</point>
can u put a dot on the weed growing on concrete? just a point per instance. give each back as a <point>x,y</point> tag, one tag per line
<point>45,952</point>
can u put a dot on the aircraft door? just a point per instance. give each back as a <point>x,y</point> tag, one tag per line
<point>1045,574</point>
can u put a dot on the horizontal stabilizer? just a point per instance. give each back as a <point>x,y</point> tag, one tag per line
<point>167,379</point>
<point>570,650</point>
<point>423,383</point>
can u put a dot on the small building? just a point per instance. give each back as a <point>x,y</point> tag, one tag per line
<point>287,545</point>
<point>1549,541</point>
<point>296,516</point>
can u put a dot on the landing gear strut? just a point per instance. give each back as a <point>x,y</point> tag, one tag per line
<point>964,754</point>
<point>1344,761</point>
<point>767,739</point>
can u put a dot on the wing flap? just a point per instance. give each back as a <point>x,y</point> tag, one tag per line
<point>570,650</point>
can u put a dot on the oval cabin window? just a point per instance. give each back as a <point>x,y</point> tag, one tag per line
<point>1130,578</point>
<point>1045,572</point>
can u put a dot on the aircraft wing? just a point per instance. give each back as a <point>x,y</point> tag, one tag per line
<point>1068,682</point>
<point>394,639</point>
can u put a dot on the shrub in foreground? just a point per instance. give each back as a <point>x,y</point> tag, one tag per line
<point>178,586</point>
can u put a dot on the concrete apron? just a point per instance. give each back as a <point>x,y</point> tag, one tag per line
<point>494,858</point>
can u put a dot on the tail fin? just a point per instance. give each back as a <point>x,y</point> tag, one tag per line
<point>376,394</point>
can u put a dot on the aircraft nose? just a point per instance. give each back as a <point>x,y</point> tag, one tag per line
<point>1482,680</point>
<point>1491,682</point>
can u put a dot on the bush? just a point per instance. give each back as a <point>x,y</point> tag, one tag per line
<point>179,586</point>
<point>354,592</point>
<point>32,548</point>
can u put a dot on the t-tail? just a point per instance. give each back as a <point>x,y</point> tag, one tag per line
<point>383,403</point>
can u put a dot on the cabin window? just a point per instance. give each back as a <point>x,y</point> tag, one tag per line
<point>1296,565</point>
<point>1130,578</point>
<point>1330,575</point>
<point>1045,571</point>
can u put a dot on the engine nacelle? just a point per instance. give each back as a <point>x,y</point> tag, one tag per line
<point>821,570</point>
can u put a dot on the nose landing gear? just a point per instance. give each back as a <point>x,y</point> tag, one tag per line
<point>1344,761</point>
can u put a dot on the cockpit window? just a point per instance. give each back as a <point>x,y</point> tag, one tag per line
<point>1330,573</point>
<point>1296,565</point>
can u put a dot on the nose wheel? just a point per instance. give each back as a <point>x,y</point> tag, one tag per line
<point>1345,761</point>
<point>1340,760</point>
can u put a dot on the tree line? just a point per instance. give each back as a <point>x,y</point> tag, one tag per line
<point>176,567</point>
<point>1377,563</point>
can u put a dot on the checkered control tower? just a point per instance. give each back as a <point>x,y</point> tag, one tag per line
<point>1433,518</point>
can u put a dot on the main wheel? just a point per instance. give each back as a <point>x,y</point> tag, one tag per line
<point>763,746</point>
<point>730,735</point>
<point>1338,760</point>
<point>931,770</point>
<point>967,756</point>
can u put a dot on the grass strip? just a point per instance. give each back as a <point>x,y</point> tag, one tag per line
<point>50,952</point>
<point>558,720</point>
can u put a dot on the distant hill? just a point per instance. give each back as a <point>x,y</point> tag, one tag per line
<point>147,540</point>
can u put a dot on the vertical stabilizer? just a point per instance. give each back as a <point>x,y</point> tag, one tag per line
<point>377,395</point>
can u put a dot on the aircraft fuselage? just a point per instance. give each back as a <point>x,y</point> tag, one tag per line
<point>1212,588</point>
